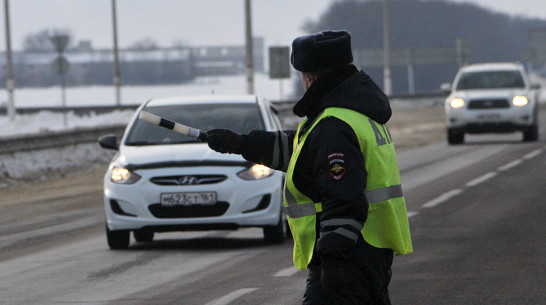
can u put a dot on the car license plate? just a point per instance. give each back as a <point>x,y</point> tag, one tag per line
<point>489,116</point>
<point>173,199</point>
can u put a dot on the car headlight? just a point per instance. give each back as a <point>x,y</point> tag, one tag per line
<point>520,100</point>
<point>257,171</point>
<point>456,103</point>
<point>122,175</point>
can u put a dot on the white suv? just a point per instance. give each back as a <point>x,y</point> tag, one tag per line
<point>491,98</point>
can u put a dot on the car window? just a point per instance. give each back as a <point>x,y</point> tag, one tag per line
<point>241,118</point>
<point>490,80</point>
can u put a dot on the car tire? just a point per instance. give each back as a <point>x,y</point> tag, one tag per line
<point>117,239</point>
<point>455,137</point>
<point>143,235</point>
<point>531,134</point>
<point>276,234</point>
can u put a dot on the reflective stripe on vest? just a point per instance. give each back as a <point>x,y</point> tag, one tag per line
<point>295,210</point>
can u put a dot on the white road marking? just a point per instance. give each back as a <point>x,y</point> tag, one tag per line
<point>411,214</point>
<point>228,298</point>
<point>288,272</point>
<point>510,165</point>
<point>481,179</point>
<point>532,154</point>
<point>442,198</point>
<point>448,195</point>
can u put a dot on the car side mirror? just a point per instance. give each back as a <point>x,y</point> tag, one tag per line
<point>446,87</point>
<point>109,141</point>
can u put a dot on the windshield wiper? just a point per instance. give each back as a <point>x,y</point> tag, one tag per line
<point>182,142</point>
<point>139,143</point>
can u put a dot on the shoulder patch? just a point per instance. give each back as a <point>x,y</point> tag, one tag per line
<point>336,164</point>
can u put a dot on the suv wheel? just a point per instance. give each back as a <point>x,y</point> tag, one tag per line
<point>143,235</point>
<point>531,134</point>
<point>117,239</point>
<point>455,137</point>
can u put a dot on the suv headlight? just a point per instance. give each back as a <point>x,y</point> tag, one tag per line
<point>520,100</point>
<point>122,175</point>
<point>456,103</point>
<point>256,172</point>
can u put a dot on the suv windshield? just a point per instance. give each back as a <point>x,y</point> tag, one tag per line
<point>490,80</point>
<point>241,118</point>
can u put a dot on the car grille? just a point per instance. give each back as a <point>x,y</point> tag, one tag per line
<point>191,211</point>
<point>488,104</point>
<point>188,179</point>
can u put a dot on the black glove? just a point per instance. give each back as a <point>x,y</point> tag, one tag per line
<point>334,251</point>
<point>225,141</point>
<point>335,247</point>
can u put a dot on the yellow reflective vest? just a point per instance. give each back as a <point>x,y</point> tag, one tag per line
<point>387,222</point>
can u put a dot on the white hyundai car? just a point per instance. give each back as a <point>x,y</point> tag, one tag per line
<point>491,98</point>
<point>162,181</point>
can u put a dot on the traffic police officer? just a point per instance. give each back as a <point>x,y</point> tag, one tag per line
<point>342,194</point>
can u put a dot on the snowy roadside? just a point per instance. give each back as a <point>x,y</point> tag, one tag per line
<point>47,121</point>
<point>410,126</point>
<point>43,165</point>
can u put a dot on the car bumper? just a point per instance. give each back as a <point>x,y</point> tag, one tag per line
<point>490,120</point>
<point>239,203</point>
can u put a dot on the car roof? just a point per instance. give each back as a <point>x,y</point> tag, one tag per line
<point>493,66</point>
<point>203,99</point>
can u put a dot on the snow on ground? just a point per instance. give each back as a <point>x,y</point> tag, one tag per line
<point>44,163</point>
<point>130,95</point>
<point>41,164</point>
<point>45,121</point>
<point>135,95</point>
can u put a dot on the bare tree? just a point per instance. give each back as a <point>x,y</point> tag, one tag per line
<point>145,44</point>
<point>180,44</point>
<point>41,41</point>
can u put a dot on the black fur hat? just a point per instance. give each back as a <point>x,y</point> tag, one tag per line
<point>321,51</point>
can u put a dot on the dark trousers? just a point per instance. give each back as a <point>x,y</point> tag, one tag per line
<point>366,275</point>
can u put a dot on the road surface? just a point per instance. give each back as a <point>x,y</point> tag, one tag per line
<point>477,219</point>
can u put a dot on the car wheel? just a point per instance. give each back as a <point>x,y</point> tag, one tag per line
<point>455,137</point>
<point>531,134</point>
<point>276,234</point>
<point>143,235</point>
<point>117,239</point>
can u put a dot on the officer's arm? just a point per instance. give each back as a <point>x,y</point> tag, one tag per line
<point>341,176</point>
<point>272,149</point>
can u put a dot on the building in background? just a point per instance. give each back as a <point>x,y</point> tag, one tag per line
<point>156,66</point>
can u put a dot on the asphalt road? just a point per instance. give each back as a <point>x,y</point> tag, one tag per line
<point>476,211</point>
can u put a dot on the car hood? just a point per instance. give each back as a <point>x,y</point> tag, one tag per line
<point>178,153</point>
<point>488,94</point>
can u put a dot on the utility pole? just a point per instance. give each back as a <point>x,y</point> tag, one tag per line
<point>117,77</point>
<point>10,81</point>
<point>249,49</point>
<point>387,81</point>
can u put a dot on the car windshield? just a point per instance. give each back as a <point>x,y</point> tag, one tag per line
<point>241,118</point>
<point>490,80</point>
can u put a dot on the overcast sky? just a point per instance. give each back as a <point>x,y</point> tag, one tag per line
<point>193,22</point>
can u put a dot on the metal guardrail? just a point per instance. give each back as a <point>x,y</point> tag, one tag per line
<point>47,140</point>
<point>77,110</point>
<point>77,136</point>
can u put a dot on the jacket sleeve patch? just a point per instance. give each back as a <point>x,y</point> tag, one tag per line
<point>336,164</point>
